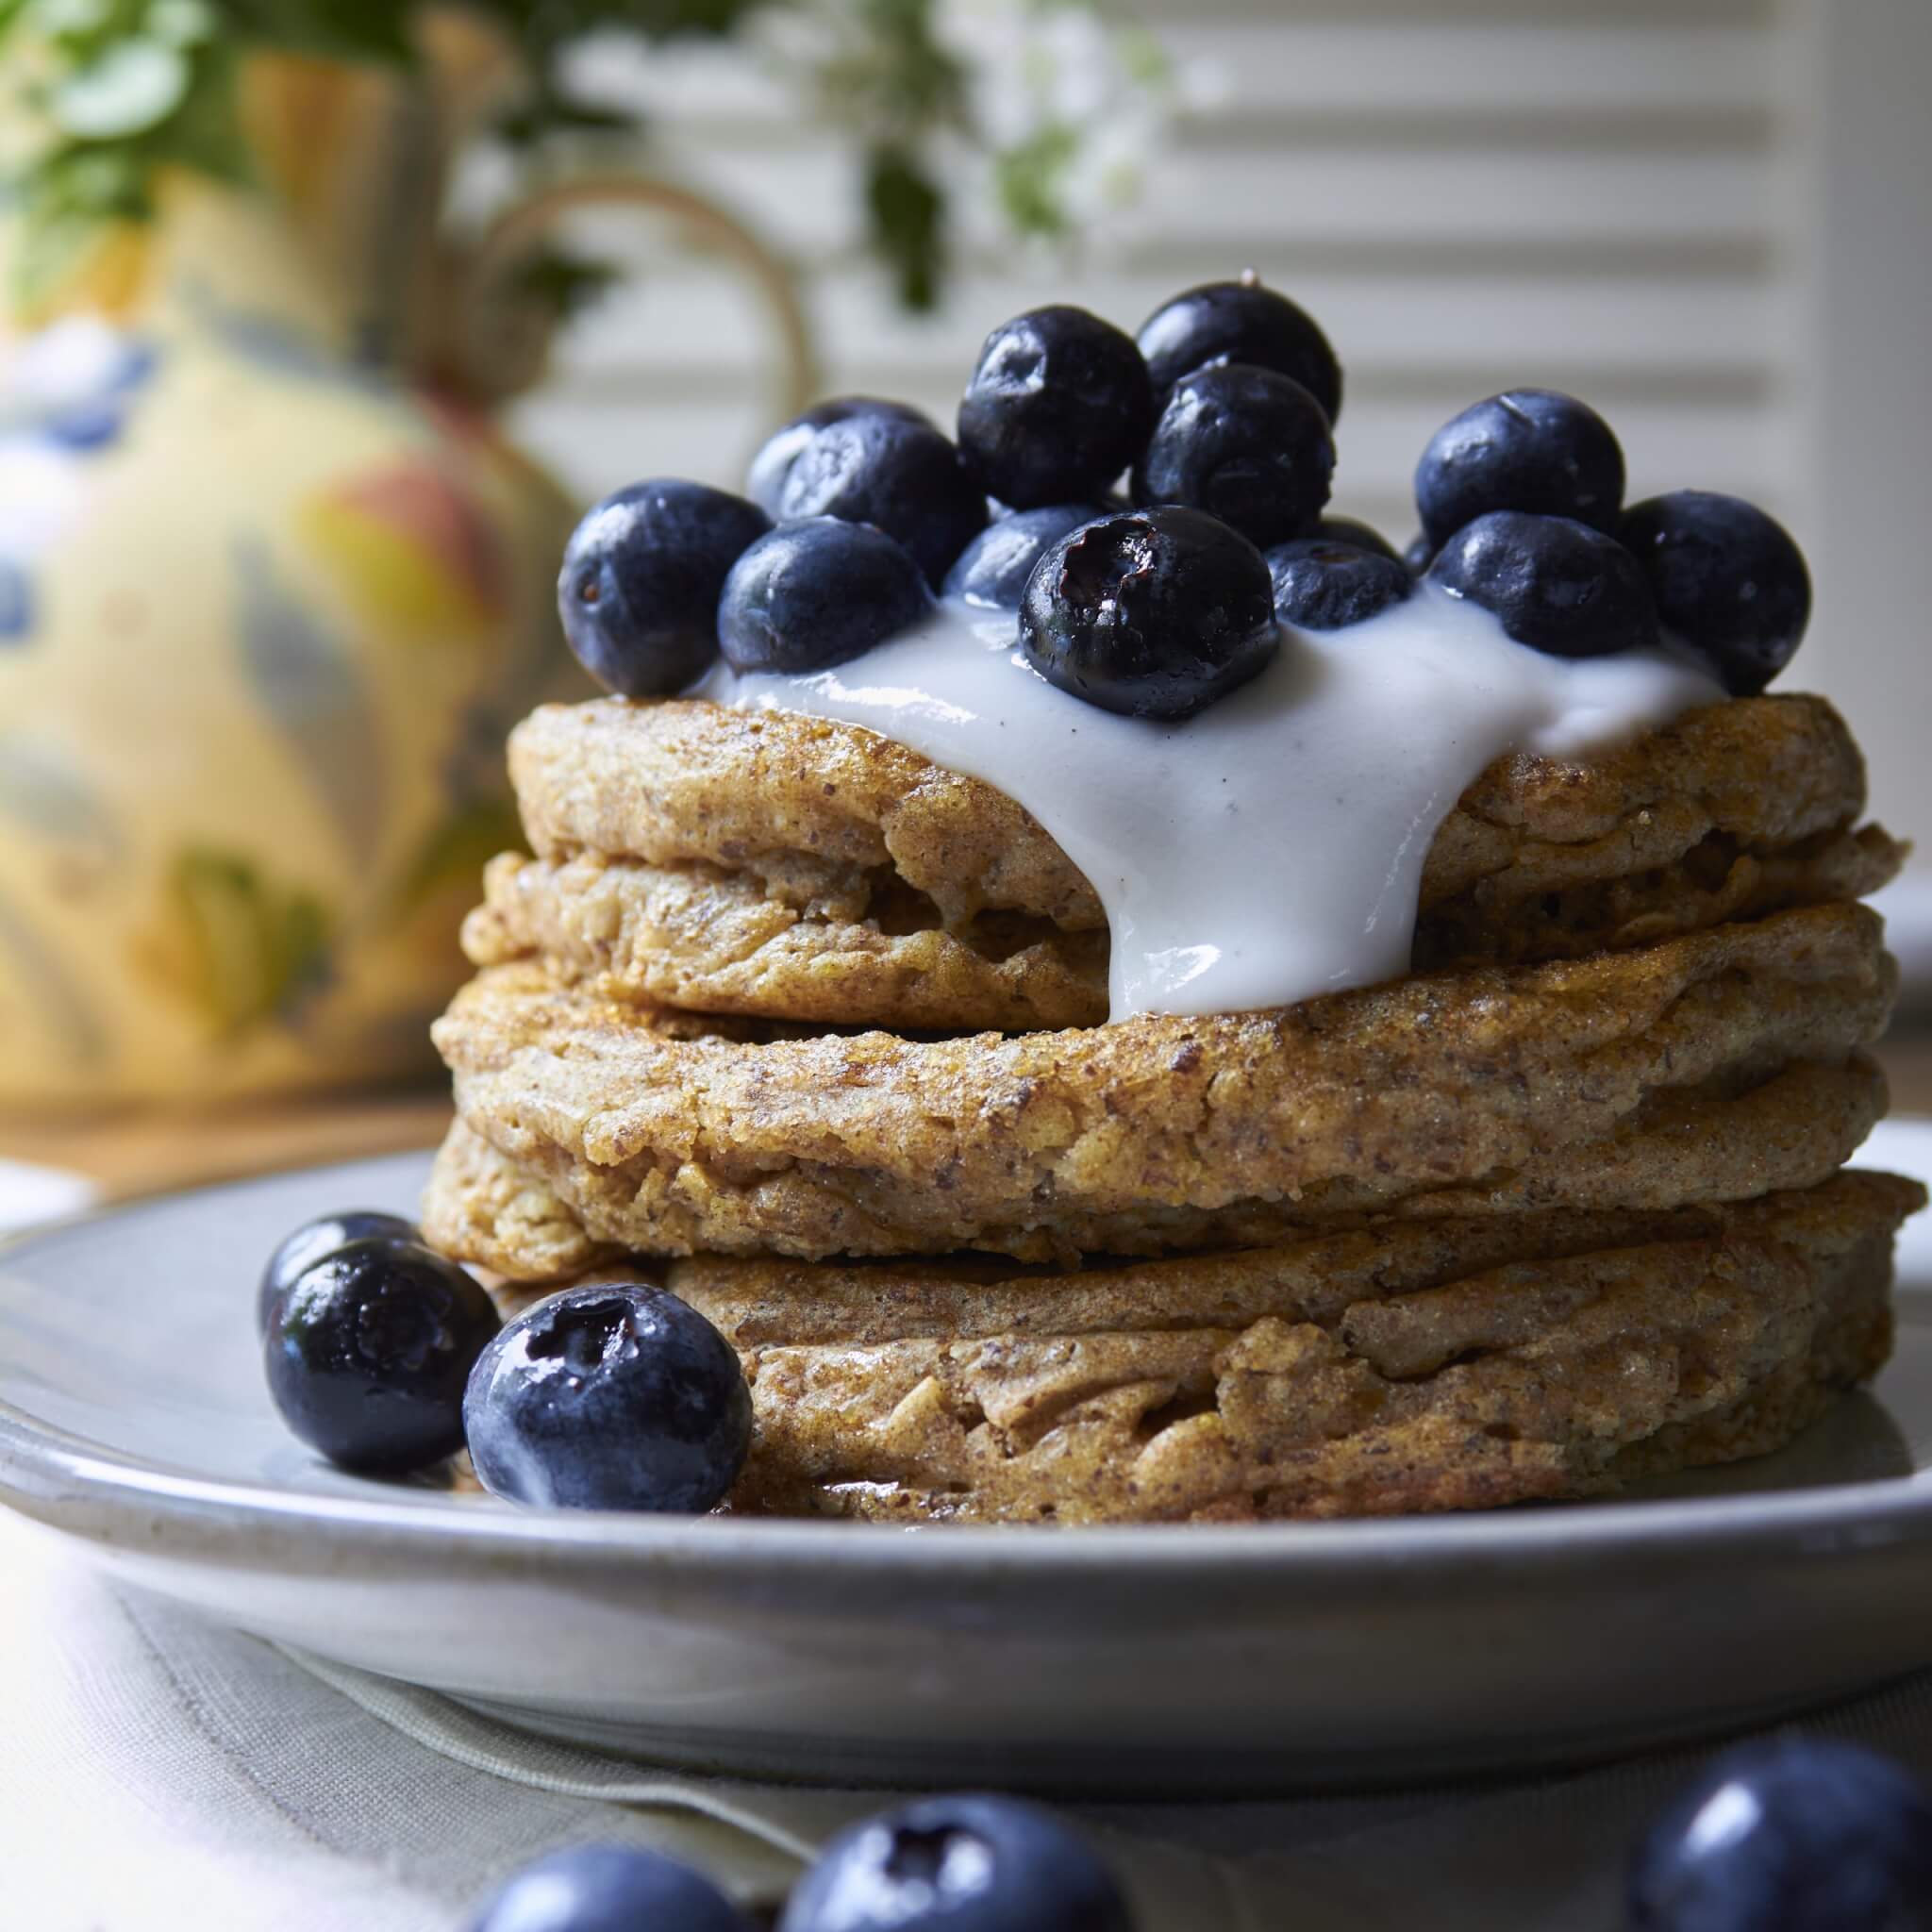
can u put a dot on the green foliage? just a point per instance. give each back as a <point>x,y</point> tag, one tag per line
<point>126,88</point>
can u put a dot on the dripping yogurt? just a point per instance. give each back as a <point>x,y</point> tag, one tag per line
<point>1269,848</point>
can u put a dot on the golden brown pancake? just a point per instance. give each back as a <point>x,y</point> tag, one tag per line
<point>1431,1365</point>
<point>793,868</point>
<point>1716,1066</point>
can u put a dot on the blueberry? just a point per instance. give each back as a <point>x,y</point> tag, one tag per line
<point>1246,445</point>
<point>1240,322</point>
<point>1528,449</point>
<point>315,1239</point>
<point>1364,536</point>
<point>368,1351</point>
<point>817,593</point>
<point>764,482</point>
<point>993,568</point>
<point>1557,585</point>
<point>1322,585</point>
<point>610,1889</point>
<point>1798,1835</point>
<point>1059,404</point>
<point>612,1397</point>
<point>1420,554</point>
<point>901,476</point>
<point>969,1864</point>
<point>638,589</point>
<point>1731,587</point>
<point>1154,612</point>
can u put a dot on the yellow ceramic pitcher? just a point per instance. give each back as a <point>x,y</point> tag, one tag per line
<point>273,590</point>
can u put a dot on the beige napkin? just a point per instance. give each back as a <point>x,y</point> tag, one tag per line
<point>157,1773</point>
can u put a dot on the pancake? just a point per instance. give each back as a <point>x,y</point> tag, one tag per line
<point>1718,1066</point>
<point>529,1226</point>
<point>861,949</point>
<point>1412,1366</point>
<point>773,864</point>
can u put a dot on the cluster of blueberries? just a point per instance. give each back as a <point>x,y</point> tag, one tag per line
<point>1220,418</point>
<point>1793,1836</point>
<point>387,1358</point>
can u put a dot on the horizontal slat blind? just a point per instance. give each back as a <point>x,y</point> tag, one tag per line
<point>1467,195</point>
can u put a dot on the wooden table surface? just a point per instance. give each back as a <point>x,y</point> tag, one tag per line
<point>149,1152</point>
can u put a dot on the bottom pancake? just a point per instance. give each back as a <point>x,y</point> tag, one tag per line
<point>1407,1367</point>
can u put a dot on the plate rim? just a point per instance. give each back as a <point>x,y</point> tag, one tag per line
<point>107,1496</point>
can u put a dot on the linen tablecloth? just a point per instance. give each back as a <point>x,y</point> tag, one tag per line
<point>158,1774</point>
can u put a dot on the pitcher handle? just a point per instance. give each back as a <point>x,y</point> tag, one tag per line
<point>513,232</point>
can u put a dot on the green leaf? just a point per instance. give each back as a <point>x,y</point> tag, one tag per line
<point>566,282</point>
<point>908,222</point>
<point>181,22</point>
<point>61,20</point>
<point>132,87</point>
<point>1029,180</point>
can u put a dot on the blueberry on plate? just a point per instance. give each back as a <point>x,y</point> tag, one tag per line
<point>1058,405</point>
<point>1731,585</point>
<point>315,1239</point>
<point>1245,445</point>
<point>966,1864</point>
<point>1554,584</point>
<point>1420,554</point>
<point>1154,612</point>
<point>369,1349</point>
<point>610,1889</point>
<point>1240,322</point>
<point>1364,536</point>
<point>1528,449</point>
<point>993,568</point>
<point>815,593</point>
<point>764,482</point>
<point>1797,1836</point>
<point>617,1396</point>
<point>638,589</point>
<point>901,476</point>
<point>1323,584</point>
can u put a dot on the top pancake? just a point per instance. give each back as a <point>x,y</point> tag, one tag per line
<point>786,867</point>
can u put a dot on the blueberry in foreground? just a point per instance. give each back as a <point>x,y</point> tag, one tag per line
<point>1323,584</point>
<point>964,1864</point>
<point>815,593</point>
<point>313,1241</point>
<point>764,482</point>
<point>1528,449</point>
<point>1799,1836</point>
<point>1245,445</point>
<point>1731,585</point>
<point>610,1889</point>
<point>638,589</point>
<point>1155,613</point>
<point>902,478</point>
<point>1554,584</point>
<point>1058,405</point>
<point>993,568</point>
<point>368,1351</point>
<point>617,1396</point>
<point>1364,536</point>
<point>1240,322</point>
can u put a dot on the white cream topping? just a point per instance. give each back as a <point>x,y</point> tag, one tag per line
<point>1269,848</point>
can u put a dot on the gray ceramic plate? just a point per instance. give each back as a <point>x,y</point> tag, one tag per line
<point>132,1417</point>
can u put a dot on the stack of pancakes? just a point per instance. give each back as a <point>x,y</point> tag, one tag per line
<point>820,1029</point>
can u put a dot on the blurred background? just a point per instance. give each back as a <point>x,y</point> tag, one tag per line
<point>293,346</point>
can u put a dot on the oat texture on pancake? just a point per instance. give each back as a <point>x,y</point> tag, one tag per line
<point>1115,995</point>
